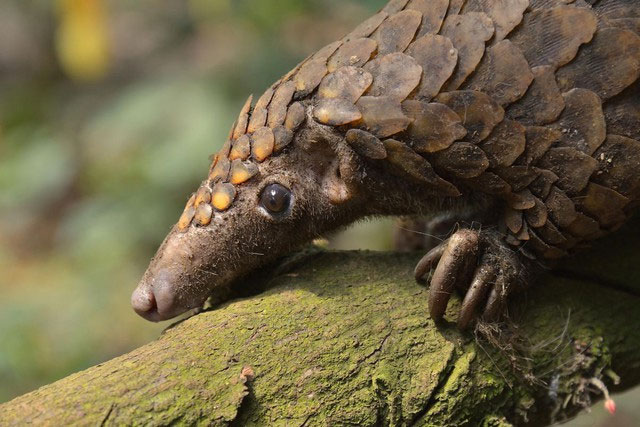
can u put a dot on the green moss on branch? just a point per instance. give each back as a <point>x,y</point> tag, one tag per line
<point>345,338</point>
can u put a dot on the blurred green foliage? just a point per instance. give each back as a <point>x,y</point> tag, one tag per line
<point>95,168</point>
<point>98,153</point>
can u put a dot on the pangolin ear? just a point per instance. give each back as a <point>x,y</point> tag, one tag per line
<point>341,179</point>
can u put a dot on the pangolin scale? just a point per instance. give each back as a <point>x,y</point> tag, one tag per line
<point>523,115</point>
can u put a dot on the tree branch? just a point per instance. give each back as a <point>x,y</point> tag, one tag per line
<point>345,338</point>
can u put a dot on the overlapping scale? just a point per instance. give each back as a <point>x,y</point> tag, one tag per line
<point>438,59</point>
<point>553,36</point>
<point>478,111</point>
<point>536,102</point>
<point>433,14</point>
<point>395,75</point>
<point>397,31</point>
<point>468,33</point>
<point>433,127</point>
<point>543,101</point>
<point>505,14</point>
<point>503,74</point>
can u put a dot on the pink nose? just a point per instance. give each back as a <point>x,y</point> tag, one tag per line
<point>155,299</point>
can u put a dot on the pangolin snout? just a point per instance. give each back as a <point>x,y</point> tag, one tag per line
<point>176,280</point>
<point>155,298</point>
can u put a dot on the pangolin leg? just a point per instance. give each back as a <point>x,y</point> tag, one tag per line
<point>479,266</point>
<point>483,280</point>
<point>426,263</point>
<point>457,262</point>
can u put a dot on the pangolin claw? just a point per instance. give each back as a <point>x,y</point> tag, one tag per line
<point>479,266</point>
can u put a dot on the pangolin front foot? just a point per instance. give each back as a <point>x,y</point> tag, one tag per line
<point>478,265</point>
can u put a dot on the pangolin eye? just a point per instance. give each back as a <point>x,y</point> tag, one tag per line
<point>275,198</point>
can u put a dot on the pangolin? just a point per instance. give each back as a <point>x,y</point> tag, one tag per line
<point>521,115</point>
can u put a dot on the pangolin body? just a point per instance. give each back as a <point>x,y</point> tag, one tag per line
<point>527,109</point>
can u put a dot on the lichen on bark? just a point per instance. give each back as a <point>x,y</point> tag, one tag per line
<point>344,338</point>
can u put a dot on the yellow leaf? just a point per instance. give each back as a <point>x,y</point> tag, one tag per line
<point>82,43</point>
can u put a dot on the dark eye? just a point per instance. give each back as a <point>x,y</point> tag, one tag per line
<point>275,198</point>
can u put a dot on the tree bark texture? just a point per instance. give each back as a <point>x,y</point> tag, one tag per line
<point>345,338</point>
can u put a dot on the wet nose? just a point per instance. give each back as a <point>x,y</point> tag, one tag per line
<point>154,299</point>
<point>144,302</point>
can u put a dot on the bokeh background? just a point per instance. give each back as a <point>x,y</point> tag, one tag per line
<point>109,110</point>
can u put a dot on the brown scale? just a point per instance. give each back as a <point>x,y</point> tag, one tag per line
<point>433,126</point>
<point>606,66</point>
<point>310,76</point>
<point>279,103</point>
<point>468,33</point>
<point>282,136</point>
<point>382,115</point>
<point>479,113</point>
<point>584,227</point>
<point>513,219</point>
<point>295,116</point>
<point>623,113</point>
<point>220,170</point>
<point>326,52</point>
<point>604,205</point>
<point>462,160</point>
<point>433,13</point>
<point>617,9</point>
<point>243,119</point>
<point>395,75</point>
<point>548,4</point>
<point>521,200</point>
<point>582,122</point>
<point>188,214</point>
<point>222,196</point>
<point>259,114</point>
<point>572,166</point>
<point>631,24</point>
<point>407,161</point>
<point>534,102</point>
<point>455,6</point>
<point>503,74</point>
<point>505,144</point>
<point>541,247</point>
<point>543,101</point>
<point>536,216</point>
<point>346,83</point>
<point>505,14</point>
<point>366,144</point>
<point>354,52</point>
<point>336,112</point>
<point>262,143</point>
<point>397,31</point>
<point>240,172</point>
<point>519,177</point>
<point>241,148</point>
<point>522,236</point>
<point>541,186</point>
<point>395,6</point>
<point>438,58</point>
<point>550,233</point>
<point>618,165</point>
<point>203,214</point>
<point>560,207</point>
<point>538,141</point>
<point>553,36</point>
<point>203,196</point>
<point>490,183</point>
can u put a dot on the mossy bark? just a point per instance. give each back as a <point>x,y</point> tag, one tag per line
<point>344,338</point>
